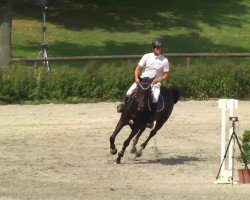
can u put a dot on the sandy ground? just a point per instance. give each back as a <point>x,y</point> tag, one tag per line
<point>62,152</point>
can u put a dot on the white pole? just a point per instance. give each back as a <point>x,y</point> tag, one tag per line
<point>222,105</point>
<point>226,169</point>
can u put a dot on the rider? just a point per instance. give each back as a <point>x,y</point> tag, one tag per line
<point>152,65</point>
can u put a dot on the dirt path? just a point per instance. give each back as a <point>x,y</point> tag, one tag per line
<point>62,152</point>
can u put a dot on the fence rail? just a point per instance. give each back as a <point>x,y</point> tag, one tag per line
<point>188,57</point>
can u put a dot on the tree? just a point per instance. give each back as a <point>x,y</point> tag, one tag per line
<point>5,32</point>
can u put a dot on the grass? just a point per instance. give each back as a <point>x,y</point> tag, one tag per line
<point>111,27</point>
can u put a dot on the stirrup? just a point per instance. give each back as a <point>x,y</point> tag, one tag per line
<point>150,125</point>
<point>120,108</point>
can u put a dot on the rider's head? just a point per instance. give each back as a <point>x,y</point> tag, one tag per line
<point>158,46</point>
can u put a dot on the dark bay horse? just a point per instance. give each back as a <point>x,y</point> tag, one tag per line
<point>136,114</point>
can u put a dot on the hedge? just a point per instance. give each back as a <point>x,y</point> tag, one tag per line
<point>109,83</point>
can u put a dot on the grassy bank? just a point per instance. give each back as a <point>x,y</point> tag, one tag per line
<point>115,27</point>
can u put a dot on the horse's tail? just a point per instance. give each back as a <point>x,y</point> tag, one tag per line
<point>176,94</point>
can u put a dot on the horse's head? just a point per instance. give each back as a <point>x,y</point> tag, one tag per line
<point>142,93</point>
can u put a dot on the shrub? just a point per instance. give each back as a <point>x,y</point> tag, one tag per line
<point>109,83</point>
<point>245,144</point>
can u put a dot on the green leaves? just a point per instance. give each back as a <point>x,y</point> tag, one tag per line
<point>245,144</point>
<point>220,80</point>
<point>110,83</point>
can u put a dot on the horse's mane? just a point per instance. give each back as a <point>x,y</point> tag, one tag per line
<point>146,80</point>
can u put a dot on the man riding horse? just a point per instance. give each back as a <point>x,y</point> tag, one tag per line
<point>152,65</point>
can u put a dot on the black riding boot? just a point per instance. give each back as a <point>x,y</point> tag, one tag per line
<point>150,124</point>
<point>121,106</point>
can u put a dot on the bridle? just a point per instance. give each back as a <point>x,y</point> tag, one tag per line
<point>144,87</point>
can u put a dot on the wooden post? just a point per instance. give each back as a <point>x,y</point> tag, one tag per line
<point>188,61</point>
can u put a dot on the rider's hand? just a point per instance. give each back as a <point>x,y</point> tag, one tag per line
<point>137,80</point>
<point>156,80</point>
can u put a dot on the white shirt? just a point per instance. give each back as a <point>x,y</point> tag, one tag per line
<point>153,66</point>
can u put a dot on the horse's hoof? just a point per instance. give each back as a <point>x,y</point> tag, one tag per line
<point>113,151</point>
<point>138,154</point>
<point>133,150</point>
<point>118,162</point>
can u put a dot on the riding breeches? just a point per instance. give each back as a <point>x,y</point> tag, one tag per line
<point>155,91</point>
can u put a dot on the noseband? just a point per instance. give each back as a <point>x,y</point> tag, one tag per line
<point>144,86</point>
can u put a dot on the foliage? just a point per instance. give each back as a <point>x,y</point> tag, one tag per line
<point>110,82</point>
<point>107,27</point>
<point>245,144</point>
<point>221,80</point>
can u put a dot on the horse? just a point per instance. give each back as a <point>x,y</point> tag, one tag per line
<point>136,114</point>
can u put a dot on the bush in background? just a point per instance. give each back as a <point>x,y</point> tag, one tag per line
<point>110,83</point>
<point>223,80</point>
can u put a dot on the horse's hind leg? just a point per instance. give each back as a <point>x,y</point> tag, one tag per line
<point>135,140</point>
<point>158,125</point>
<point>113,149</point>
<point>125,145</point>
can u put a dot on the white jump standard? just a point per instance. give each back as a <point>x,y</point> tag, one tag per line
<point>226,175</point>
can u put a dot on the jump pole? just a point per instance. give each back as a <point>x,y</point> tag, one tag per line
<point>226,172</point>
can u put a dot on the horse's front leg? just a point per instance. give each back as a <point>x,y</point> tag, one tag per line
<point>158,125</point>
<point>135,140</point>
<point>118,128</point>
<point>125,145</point>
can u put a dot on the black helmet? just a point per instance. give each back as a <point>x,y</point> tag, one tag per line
<point>157,43</point>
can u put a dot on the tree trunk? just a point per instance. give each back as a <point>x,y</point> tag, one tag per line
<point>5,32</point>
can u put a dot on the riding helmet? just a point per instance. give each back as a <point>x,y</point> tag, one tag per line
<point>157,43</point>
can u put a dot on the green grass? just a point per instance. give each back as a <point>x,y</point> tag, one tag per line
<point>110,27</point>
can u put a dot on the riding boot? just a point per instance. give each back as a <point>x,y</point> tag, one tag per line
<point>121,106</point>
<point>150,124</point>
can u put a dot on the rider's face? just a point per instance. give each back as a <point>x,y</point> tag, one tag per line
<point>157,50</point>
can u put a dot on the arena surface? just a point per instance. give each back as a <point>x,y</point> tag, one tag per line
<point>62,152</point>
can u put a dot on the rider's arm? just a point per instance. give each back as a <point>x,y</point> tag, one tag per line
<point>137,73</point>
<point>162,78</point>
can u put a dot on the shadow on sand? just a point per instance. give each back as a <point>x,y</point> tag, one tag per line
<point>178,160</point>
